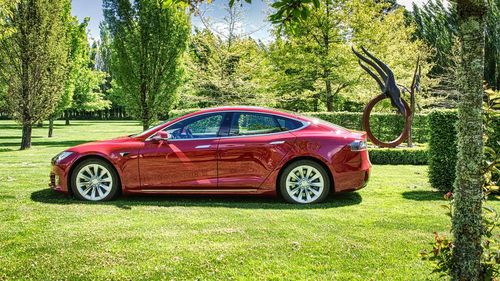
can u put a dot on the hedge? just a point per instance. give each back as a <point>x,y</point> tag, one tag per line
<point>399,156</point>
<point>442,148</point>
<point>384,125</point>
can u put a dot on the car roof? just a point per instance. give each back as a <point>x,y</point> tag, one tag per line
<point>256,109</point>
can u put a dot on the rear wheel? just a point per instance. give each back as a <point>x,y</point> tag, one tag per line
<point>94,180</point>
<point>304,182</point>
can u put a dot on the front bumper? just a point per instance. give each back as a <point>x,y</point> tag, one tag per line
<point>58,179</point>
<point>59,174</point>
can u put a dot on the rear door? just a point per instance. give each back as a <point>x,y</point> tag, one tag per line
<point>256,144</point>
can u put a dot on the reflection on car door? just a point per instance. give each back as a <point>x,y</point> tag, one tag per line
<point>255,146</point>
<point>188,160</point>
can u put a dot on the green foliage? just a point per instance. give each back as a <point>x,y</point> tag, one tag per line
<point>440,255</point>
<point>437,26</point>
<point>399,156</point>
<point>147,40</point>
<point>442,148</point>
<point>491,159</point>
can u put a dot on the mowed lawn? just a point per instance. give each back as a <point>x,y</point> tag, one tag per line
<point>373,234</point>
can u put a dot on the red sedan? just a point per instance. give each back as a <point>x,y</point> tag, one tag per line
<point>225,150</point>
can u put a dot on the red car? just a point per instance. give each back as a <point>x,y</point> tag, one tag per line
<point>225,150</point>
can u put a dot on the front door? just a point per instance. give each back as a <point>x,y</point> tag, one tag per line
<point>188,160</point>
<point>255,146</point>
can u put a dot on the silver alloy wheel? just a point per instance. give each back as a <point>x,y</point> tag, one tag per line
<point>305,184</point>
<point>94,182</point>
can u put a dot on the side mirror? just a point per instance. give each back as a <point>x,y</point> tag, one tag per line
<point>160,136</point>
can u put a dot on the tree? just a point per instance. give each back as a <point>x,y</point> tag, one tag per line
<point>147,39</point>
<point>34,60</point>
<point>314,61</point>
<point>81,91</point>
<point>467,222</point>
<point>224,65</point>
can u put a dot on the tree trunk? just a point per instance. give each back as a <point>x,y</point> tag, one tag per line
<point>466,222</point>
<point>412,115</point>
<point>145,109</point>
<point>329,102</point>
<point>66,117</point>
<point>26,138</point>
<point>51,127</point>
<point>145,119</point>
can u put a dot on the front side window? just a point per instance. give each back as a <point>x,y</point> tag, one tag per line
<point>198,127</point>
<point>245,124</point>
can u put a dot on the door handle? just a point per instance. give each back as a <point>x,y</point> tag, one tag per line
<point>277,142</point>
<point>202,146</point>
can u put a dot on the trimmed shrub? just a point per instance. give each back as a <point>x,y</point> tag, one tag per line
<point>399,156</point>
<point>385,126</point>
<point>442,148</point>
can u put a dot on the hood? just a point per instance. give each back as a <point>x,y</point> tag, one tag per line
<point>95,144</point>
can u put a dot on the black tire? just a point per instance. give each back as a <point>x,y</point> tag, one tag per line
<point>115,184</point>
<point>305,163</point>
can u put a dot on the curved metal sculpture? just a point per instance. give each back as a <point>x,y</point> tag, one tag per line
<point>390,89</point>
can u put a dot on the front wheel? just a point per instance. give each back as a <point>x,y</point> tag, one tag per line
<point>94,180</point>
<point>304,182</point>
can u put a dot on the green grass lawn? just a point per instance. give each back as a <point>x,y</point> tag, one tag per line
<point>373,234</point>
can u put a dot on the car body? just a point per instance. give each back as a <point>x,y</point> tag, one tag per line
<point>246,153</point>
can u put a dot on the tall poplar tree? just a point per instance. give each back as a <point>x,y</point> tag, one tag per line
<point>148,38</point>
<point>33,60</point>
<point>466,222</point>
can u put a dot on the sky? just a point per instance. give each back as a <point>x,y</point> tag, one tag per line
<point>253,17</point>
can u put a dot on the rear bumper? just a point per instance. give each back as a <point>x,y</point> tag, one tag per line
<point>351,170</point>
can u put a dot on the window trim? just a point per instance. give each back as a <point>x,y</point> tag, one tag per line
<point>225,112</point>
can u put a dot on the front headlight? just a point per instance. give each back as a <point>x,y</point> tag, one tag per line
<point>61,156</point>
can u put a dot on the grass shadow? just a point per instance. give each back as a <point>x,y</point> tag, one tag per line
<point>48,196</point>
<point>16,137</point>
<point>59,143</point>
<point>423,195</point>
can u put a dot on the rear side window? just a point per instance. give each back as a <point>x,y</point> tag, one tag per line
<point>245,124</point>
<point>287,124</point>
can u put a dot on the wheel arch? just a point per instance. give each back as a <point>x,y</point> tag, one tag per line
<point>87,157</point>
<point>311,158</point>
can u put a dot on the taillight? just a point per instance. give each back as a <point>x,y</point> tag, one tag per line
<point>358,145</point>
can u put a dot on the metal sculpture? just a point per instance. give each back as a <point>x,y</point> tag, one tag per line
<point>390,89</point>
